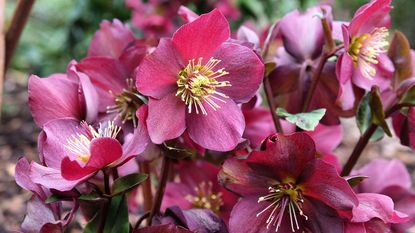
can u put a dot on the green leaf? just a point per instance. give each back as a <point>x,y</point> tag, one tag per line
<point>126,183</point>
<point>90,197</point>
<point>408,97</point>
<point>355,180</point>
<point>53,198</point>
<point>306,121</point>
<point>93,224</point>
<point>117,218</point>
<point>378,114</point>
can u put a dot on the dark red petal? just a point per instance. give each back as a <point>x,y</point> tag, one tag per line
<point>321,181</point>
<point>201,37</point>
<point>158,72</point>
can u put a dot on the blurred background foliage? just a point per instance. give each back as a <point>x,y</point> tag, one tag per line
<point>59,31</point>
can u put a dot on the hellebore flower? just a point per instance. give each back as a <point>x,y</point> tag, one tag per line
<point>40,217</point>
<point>364,61</point>
<point>72,152</point>
<point>166,228</point>
<point>303,39</point>
<point>199,189</point>
<point>374,213</point>
<point>62,95</point>
<point>392,179</point>
<point>285,188</point>
<point>197,79</point>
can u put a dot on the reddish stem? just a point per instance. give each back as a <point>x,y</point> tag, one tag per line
<point>146,185</point>
<point>20,17</point>
<point>165,169</point>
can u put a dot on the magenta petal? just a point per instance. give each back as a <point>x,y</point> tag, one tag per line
<point>137,142</point>
<point>90,98</point>
<point>245,69</point>
<point>103,152</point>
<point>344,68</point>
<point>175,194</point>
<point>373,205</point>
<point>50,178</point>
<point>158,72</point>
<point>322,182</point>
<point>22,177</point>
<point>111,39</point>
<point>56,134</point>
<point>166,118</point>
<point>346,97</point>
<point>107,75</point>
<point>52,98</point>
<point>219,130</point>
<point>201,37</point>
<point>71,170</point>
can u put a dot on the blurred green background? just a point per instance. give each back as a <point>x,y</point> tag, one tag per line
<point>59,31</point>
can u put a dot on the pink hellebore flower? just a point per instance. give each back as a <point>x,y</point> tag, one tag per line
<point>374,214</point>
<point>72,152</point>
<point>197,79</point>
<point>364,62</point>
<point>285,188</point>
<point>392,179</point>
<point>198,189</point>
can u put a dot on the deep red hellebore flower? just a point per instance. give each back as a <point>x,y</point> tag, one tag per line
<point>285,188</point>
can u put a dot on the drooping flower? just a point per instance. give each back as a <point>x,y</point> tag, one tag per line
<point>72,152</point>
<point>197,189</point>
<point>364,61</point>
<point>390,178</point>
<point>285,188</point>
<point>197,79</point>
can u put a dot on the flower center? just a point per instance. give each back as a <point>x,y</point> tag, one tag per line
<point>127,103</point>
<point>283,197</point>
<point>205,198</point>
<point>79,143</point>
<point>197,85</point>
<point>366,48</point>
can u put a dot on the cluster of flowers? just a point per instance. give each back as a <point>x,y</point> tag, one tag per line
<point>185,110</point>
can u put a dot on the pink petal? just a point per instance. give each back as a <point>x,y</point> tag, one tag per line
<point>344,68</point>
<point>302,33</point>
<point>51,178</point>
<point>245,69</point>
<point>52,98</point>
<point>187,14</point>
<point>219,130</point>
<point>372,205</point>
<point>111,39</point>
<point>53,144</point>
<point>166,118</point>
<point>71,170</point>
<point>103,152</point>
<point>327,138</point>
<point>134,54</point>
<point>369,16</point>
<point>157,74</point>
<point>22,177</point>
<point>201,37</point>
<point>137,142</point>
<point>38,215</point>
<point>382,174</point>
